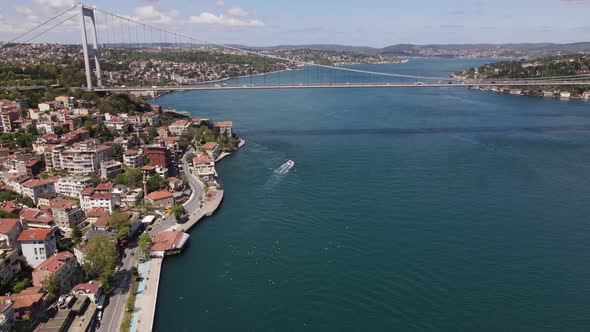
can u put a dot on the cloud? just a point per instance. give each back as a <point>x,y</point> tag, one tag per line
<point>237,11</point>
<point>23,10</point>
<point>220,3</point>
<point>209,18</point>
<point>56,5</point>
<point>154,16</point>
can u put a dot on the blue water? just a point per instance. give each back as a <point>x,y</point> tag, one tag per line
<point>406,210</point>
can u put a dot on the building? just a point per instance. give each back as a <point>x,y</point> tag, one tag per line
<point>212,149</point>
<point>151,118</point>
<point>9,264</point>
<point>132,198</point>
<point>204,167</point>
<point>94,214</point>
<point>157,155</point>
<point>10,229</point>
<point>168,243</point>
<point>133,158</point>
<point>160,199</point>
<point>67,214</point>
<point>92,290</point>
<point>119,124</point>
<point>26,304</point>
<point>83,158</point>
<point>179,127</point>
<point>225,128</point>
<point>90,199</point>
<point>72,186</point>
<point>37,245</point>
<point>63,264</point>
<point>7,316</point>
<point>586,95</point>
<point>110,168</point>
<point>35,187</point>
<point>37,218</point>
<point>8,115</point>
<point>565,95</point>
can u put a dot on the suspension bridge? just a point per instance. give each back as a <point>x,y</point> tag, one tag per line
<point>112,36</point>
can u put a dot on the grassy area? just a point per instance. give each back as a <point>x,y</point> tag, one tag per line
<point>130,305</point>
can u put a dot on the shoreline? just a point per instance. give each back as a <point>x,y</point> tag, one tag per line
<point>144,321</point>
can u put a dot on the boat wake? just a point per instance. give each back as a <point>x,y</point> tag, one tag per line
<point>284,168</point>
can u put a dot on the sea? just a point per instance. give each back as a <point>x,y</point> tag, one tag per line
<point>407,209</point>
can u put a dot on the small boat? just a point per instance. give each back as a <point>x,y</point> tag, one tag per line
<point>284,168</point>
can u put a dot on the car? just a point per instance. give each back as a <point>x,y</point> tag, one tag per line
<point>149,229</point>
<point>449,82</point>
<point>117,269</point>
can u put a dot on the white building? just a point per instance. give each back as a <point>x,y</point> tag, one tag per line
<point>133,158</point>
<point>72,186</point>
<point>110,168</point>
<point>33,188</point>
<point>180,127</point>
<point>37,245</point>
<point>89,199</point>
<point>83,158</point>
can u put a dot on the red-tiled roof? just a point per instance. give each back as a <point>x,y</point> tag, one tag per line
<point>166,240</point>
<point>36,215</point>
<point>201,159</point>
<point>102,196</point>
<point>102,221</point>
<point>55,262</point>
<point>210,146</point>
<point>179,123</point>
<point>36,183</point>
<point>105,186</point>
<point>26,298</point>
<point>224,124</point>
<point>162,194</point>
<point>34,234</point>
<point>174,179</point>
<point>87,287</point>
<point>96,212</point>
<point>131,152</point>
<point>7,225</point>
<point>88,191</point>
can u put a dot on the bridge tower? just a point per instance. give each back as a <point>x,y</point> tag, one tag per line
<point>89,12</point>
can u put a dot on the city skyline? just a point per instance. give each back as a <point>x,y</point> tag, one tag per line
<point>258,23</point>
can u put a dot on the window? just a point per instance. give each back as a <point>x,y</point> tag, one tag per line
<point>36,251</point>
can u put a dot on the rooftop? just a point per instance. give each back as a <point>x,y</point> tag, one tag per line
<point>210,146</point>
<point>34,234</point>
<point>169,240</point>
<point>55,262</point>
<point>87,287</point>
<point>224,124</point>
<point>162,194</point>
<point>7,225</point>
<point>26,298</point>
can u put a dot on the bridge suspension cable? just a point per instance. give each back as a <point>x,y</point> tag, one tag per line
<point>40,25</point>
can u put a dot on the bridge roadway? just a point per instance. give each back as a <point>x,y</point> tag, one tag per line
<point>449,84</point>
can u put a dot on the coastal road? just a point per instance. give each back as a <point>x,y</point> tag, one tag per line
<point>113,313</point>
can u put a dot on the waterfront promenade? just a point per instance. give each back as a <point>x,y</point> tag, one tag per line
<point>198,208</point>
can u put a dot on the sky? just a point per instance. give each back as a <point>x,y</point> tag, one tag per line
<point>376,23</point>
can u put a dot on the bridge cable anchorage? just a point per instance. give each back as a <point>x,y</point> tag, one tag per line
<point>37,27</point>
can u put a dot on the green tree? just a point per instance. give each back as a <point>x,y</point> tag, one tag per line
<point>154,183</point>
<point>120,223</point>
<point>19,286</point>
<point>103,133</point>
<point>101,255</point>
<point>76,236</point>
<point>189,157</point>
<point>51,286</point>
<point>144,244</point>
<point>117,152</point>
<point>132,178</point>
<point>179,211</point>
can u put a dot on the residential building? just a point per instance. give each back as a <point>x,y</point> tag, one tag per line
<point>63,264</point>
<point>204,167</point>
<point>72,186</point>
<point>7,316</point>
<point>179,127</point>
<point>225,128</point>
<point>565,95</point>
<point>7,117</point>
<point>119,124</point>
<point>586,95</point>
<point>92,290</point>
<point>9,264</point>
<point>67,213</point>
<point>133,158</point>
<point>37,218</point>
<point>93,215</point>
<point>212,149</point>
<point>110,168</point>
<point>160,199</point>
<point>37,245</point>
<point>175,183</point>
<point>90,199</point>
<point>83,158</point>
<point>34,187</point>
<point>157,155</point>
<point>132,197</point>
<point>27,304</point>
<point>10,229</point>
<point>151,118</point>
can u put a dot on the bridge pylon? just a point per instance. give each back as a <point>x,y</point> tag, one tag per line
<point>94,52</point>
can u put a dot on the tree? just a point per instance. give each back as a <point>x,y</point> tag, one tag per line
<point>76,236</point>
<point>117,152</point>
<point>51,285</point>
<point>19,286</point>
<point>120,223</point>
<point>179,211</point>
<point>101,255</point>
<point>103,133</point>
<point>144,244</point>
<point>154,183</point>
<point>189,157</point>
